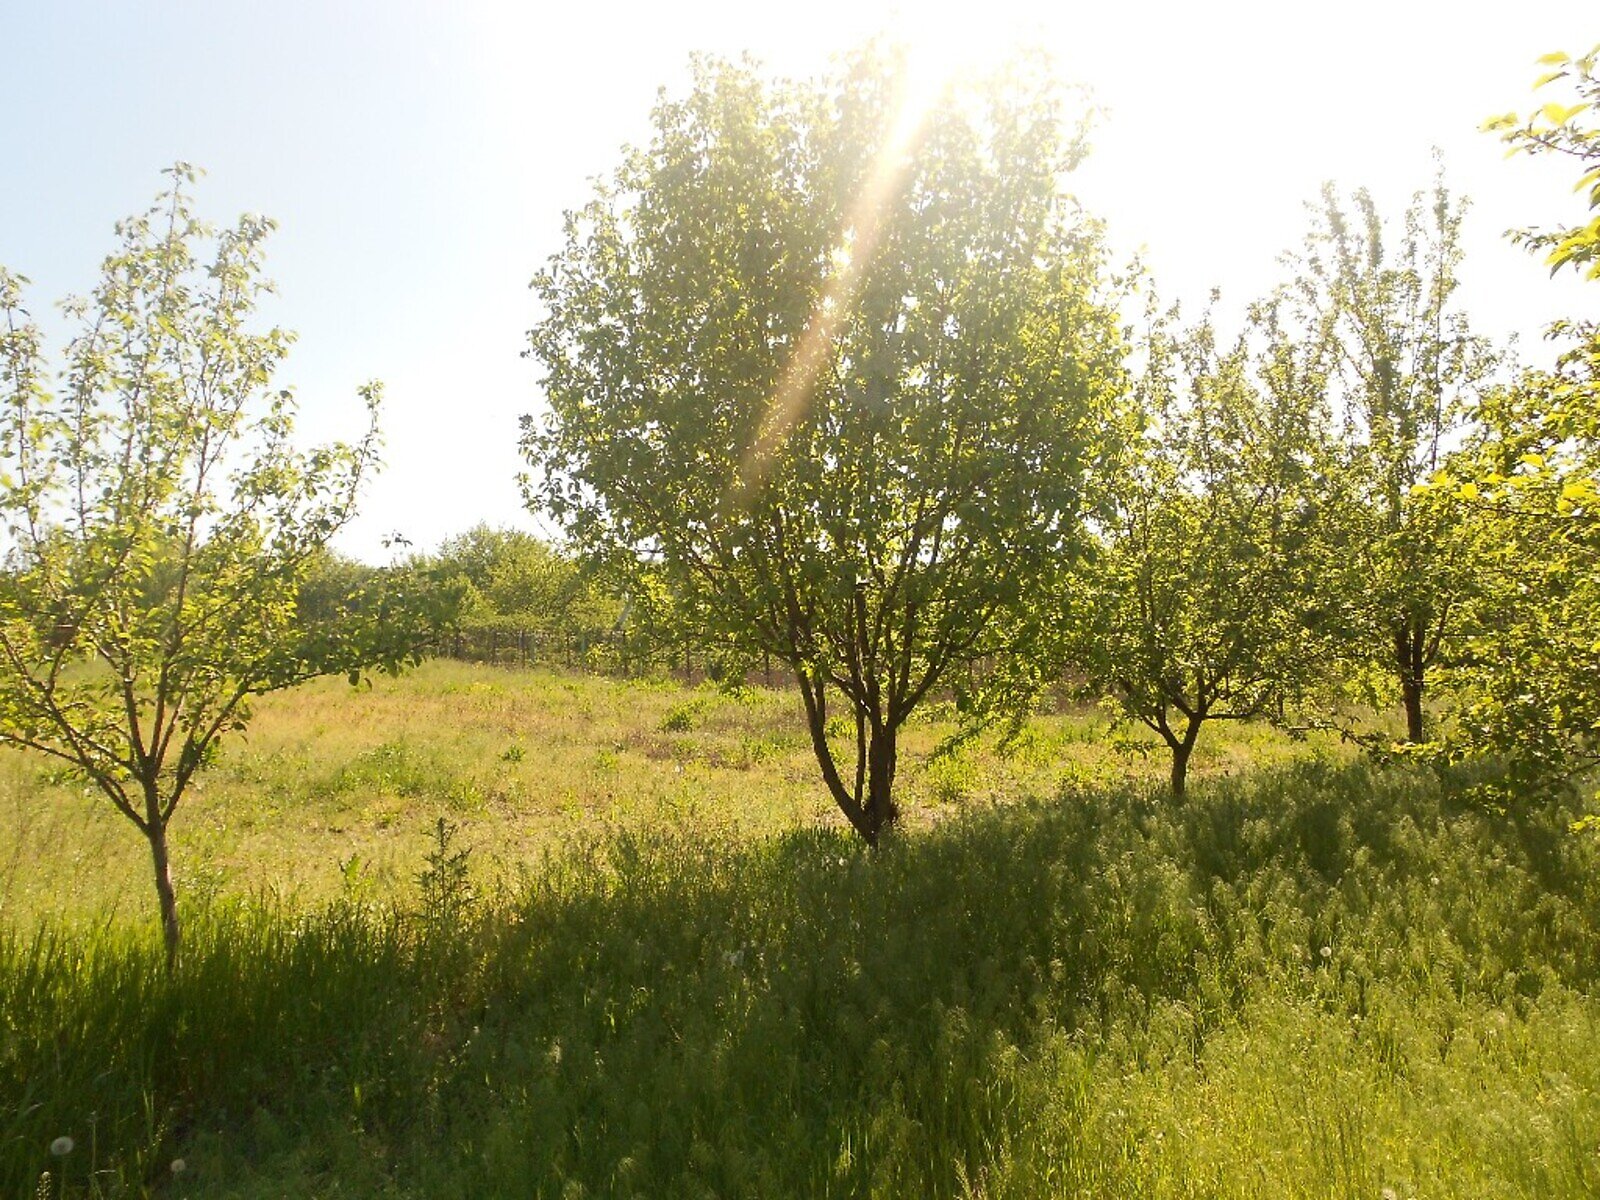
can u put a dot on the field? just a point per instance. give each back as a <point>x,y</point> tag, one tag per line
<point>335,791</point>
<point>664,969</point>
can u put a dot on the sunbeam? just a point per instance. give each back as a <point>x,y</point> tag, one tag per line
<point>923,81</point>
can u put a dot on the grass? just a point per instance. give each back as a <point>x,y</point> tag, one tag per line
<point>333,790</point>
<point>1312,980</point>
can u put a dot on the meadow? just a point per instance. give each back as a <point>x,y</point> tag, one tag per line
<point>335,791</point>
<point>661,968</point>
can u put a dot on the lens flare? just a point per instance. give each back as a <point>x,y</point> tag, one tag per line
<point>923,80</point>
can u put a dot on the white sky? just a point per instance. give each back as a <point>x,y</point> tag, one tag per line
<point>419,156</point>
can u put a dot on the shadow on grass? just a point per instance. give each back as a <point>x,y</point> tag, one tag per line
<point>665,1015</point>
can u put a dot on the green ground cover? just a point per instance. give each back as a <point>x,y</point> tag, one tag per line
<point>335,789</point>
<point>1310,979</point>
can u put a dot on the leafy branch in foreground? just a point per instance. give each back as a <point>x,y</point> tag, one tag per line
<point>160,522</point>
<point>1556,128</point>
<point>1531,476</point>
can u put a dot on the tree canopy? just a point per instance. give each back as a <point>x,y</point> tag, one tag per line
<point>835,377</point>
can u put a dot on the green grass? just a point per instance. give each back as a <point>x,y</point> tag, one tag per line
<point>1312,980</point>
<point>332,790</point>
<point>1104,996</point>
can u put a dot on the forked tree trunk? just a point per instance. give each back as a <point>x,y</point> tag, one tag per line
<point>869,804</point>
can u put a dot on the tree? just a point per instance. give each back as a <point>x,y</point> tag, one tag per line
<point>1405,368</point>
<point>1531,686</point>
<point>161,524</point>
<point>1205,589</point>
<point>830,378</point>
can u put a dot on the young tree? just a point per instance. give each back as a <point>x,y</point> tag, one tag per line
<point>1204,591</point>
<point>833,375</point>
<point>160,522</point>
<point>1405,367</point>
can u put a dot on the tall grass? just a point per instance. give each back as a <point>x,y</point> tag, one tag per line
<point>1321,982</point>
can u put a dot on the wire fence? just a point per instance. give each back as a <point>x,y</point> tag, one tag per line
<point>606,653</point>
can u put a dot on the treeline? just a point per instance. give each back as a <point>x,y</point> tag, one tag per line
<point>511,598</point>
<point>500,596</point>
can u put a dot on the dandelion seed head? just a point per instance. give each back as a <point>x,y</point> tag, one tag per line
<point>179,1166</point>
<point>62,1147</point>
<point>1326,952</point>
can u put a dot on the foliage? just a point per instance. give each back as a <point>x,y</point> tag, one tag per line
<point>1320,983</point>
<point>1206,587</point>
<point>1532,475</point>
<point>331,579</point>
<point>1404,367</point>
<point>161,524</point>
<point>1529,688</point>
<point>507,581</point>
<point>830,379</point>
<point>1570,130</point>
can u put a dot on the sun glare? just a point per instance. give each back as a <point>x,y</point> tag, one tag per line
<point>936,55</point>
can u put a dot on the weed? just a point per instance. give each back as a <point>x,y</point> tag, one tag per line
<point>680,718</point>
<point>444,885</point>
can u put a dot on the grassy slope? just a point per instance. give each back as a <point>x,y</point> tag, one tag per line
<point>1312,982</point>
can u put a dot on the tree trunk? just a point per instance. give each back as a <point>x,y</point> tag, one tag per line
<point>874,812</point>
<point>170,928</point>
<point>1182,748</point>
<point>1408,659</point>
<point>881,813</point>
<point>1411,690</point>
<point>1180,768</point>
